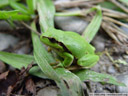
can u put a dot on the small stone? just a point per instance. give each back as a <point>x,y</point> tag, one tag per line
<point>99,43</point>
<point>48,91</point>
<point>7,40</point>
<point>111,70</point>
<point>4,25</point>
<point>23,50</point>
<point>124,79</point>
<point>73,23</point>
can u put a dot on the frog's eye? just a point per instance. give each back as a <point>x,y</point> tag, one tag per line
<point>52,40</point>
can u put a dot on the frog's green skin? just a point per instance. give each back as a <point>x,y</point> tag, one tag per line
<point>70,45</point>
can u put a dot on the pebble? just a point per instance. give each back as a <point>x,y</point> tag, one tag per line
<point>7,40</point>
<point>48,91</point>
<point>124,79</point>
<point>4,25</point>
<point>72,23</point>
<point>98,88</point>
<point>99,43</point>
<point>23,50</point>
<point>111,70</point>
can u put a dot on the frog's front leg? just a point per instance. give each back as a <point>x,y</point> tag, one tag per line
<point>88,60</point>
<point>68,59</point>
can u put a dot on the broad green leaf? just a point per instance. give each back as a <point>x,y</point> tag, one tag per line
<point>18,6</point>
<point>4,3</point>
<point>94,25</point>
<point>46,12</point>
<point>43,64</point>
<point>40,47</point>
<point>13,15</point>
<point>30,6</point>
<point>97,77</point>
<point>14,59</point>
<point>73,82</point>
<point>19,61</point>
<point>34,4</point>
<point>41,58</point>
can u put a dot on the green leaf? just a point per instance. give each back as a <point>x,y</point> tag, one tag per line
<point>97,77</point>
<point>30,6</point>
<point>94,25</point>
<point>41,57</point>
<point>120,61</point>
<point>13,15</point>
<point>18,6</point>
<point>19,61</point>
<point>4,3</point>
<point>73,82</point>
<point>74,13</point>
<point>46,12</point>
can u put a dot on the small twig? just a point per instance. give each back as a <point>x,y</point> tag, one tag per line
<point>27,26</point>
<point>111,59</point>
<point>113,13</point>
<point>119,5</point>
<point>120,31</point>
<point>77,3</point>
<point>109,31</point>
<point>115,21</point>
<point>115,32</point>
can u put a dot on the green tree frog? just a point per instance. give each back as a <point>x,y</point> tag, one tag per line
<point>70,45</point>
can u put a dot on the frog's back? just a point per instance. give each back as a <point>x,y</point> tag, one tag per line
<point>72,41</point>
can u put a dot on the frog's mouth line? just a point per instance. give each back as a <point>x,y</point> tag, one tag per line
<point>53,40</point>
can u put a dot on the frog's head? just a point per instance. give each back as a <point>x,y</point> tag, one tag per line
<point>52,34</point>
<point>49,38</point>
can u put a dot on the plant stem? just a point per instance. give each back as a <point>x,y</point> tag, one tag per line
<point>27,26</point>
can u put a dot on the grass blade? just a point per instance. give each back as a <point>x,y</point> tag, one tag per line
<point>41,59</point>
<point>94,26</point>
<point>97,77</point>
<point>13,15</point>
<point>73,82</point>
<point>19,61</point>
<point>18,6</point>
<point>30,6</point>
<point>46,12</point>
<point>4,3</point>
